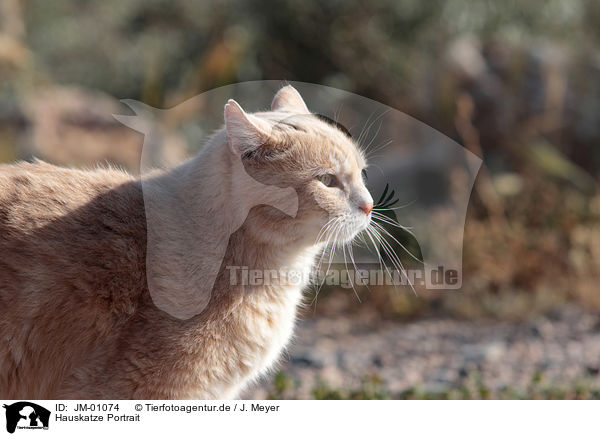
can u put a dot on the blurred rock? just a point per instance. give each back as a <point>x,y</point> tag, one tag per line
<point>75,127</point>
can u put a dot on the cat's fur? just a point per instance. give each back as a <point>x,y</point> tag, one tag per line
<point>76,317</point>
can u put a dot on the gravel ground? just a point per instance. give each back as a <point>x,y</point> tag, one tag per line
<point>438,354</point>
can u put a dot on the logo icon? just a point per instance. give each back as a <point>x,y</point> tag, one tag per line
<point>26,415</point>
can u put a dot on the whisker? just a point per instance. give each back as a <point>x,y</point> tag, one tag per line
<point>396,208</point>
<point>397,242</point>
<point>333,236</point>
<point>382,244</point>
<point>367,129</point>
<point>382,264</point>
<point>360,135</point>
<point>394,258</point>
<point>371,153</point>
<point>387,220</point>
<point>348,273</point>
<point>385,190</point>
<point>331,224</point>
<point>351,254</point>
<point>373,138</point>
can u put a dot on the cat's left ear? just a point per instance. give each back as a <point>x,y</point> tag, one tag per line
<point>289,100</point>
<point>245,132</point>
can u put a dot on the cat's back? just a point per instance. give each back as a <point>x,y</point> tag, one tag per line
<point>46,190</point>
<point>58,224</point>
<point>72,264</point>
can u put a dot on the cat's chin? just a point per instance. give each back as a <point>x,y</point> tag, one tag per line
<point>347,233</point>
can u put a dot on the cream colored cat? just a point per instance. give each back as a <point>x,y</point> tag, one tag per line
<point>76,317</point>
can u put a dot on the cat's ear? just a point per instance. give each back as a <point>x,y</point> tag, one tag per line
<point>289,100</point>
<point>245,132</point>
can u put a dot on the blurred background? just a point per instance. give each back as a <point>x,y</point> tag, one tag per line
<point>516,83</point>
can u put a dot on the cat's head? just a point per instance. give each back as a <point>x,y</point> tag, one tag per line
<point>291,147</point>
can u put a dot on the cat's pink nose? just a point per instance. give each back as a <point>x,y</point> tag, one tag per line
<point>366,207</point>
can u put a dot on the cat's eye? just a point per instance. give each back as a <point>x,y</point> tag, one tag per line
<point>328,180</point>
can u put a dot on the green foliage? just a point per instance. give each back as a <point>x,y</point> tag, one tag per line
<point>371,389</point>
<point>472,388</point>
<point>281,384</point>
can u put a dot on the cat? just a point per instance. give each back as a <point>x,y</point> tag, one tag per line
<point>77,320</point>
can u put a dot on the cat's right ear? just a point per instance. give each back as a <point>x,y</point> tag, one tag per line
<point>288,99</point>
<point>245,132</point>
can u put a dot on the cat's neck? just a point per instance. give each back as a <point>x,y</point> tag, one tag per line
<point>215,171</point>
<point>195,216</point>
